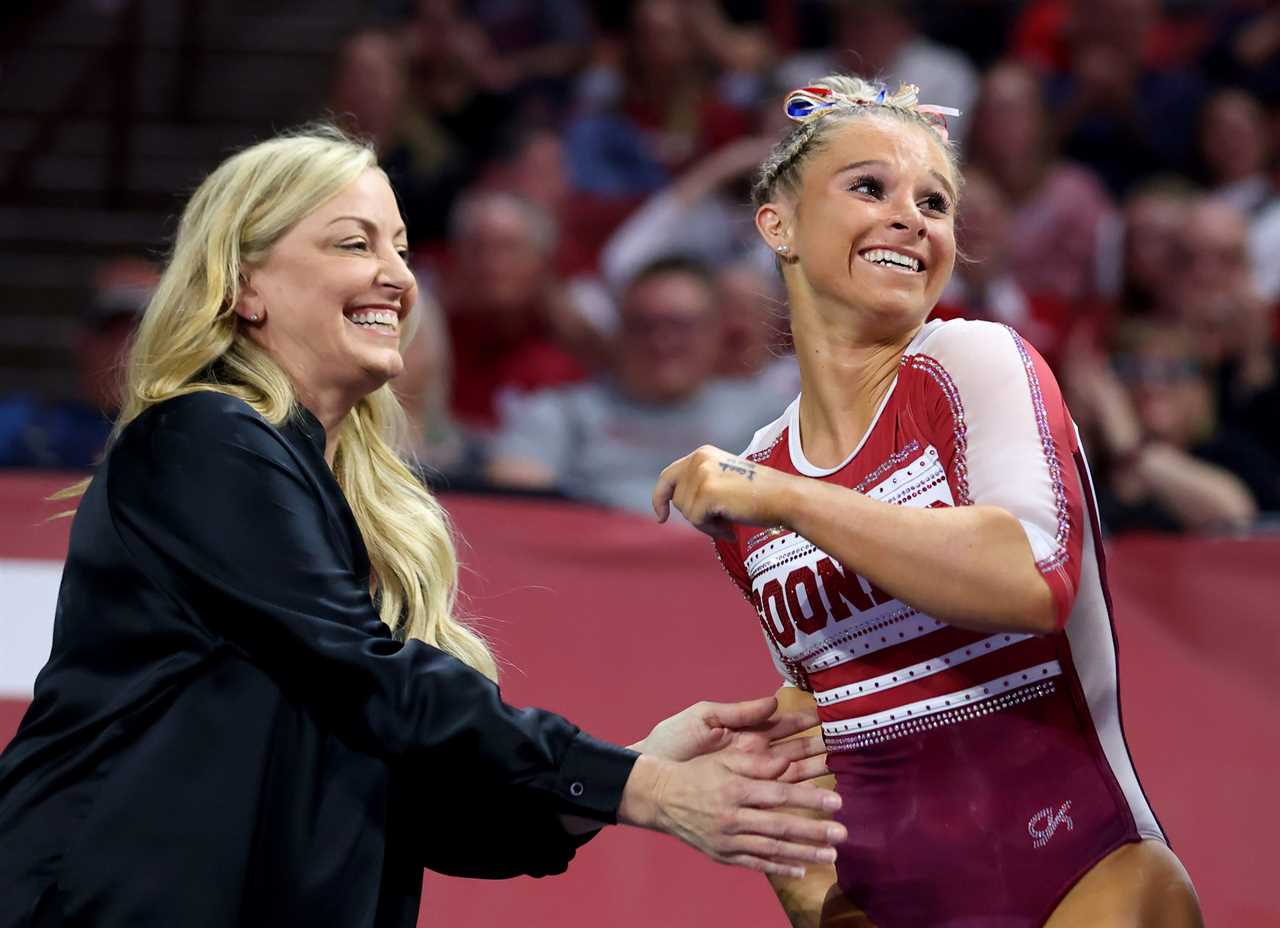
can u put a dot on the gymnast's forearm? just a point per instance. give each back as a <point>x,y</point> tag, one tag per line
<point>970,566</point>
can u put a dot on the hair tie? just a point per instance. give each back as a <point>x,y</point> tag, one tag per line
<point>807,103</point>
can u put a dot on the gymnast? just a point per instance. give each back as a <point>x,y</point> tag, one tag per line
<point>917,536</point>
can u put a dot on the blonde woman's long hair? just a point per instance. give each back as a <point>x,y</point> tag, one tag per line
<point>189,339</point>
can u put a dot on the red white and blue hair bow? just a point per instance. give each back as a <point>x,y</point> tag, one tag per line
<point>807,103</point>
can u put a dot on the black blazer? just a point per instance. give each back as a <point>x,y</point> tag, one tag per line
<point>225,733</point>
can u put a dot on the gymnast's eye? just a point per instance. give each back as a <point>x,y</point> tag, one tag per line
<point>870,186</point>
<point>936,203</point>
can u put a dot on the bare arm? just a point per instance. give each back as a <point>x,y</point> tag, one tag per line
<point>534,442</point>
<point>970,566</point>
<point>1198,494</point>
<point>1201,495</point>
<point>1002,551</point>
<point>813,900</point>
<point>520,473</point>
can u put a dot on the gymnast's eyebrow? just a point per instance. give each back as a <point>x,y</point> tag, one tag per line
<point>882,164</point>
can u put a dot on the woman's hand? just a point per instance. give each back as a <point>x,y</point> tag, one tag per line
<point>754,727</point>
<point>714,489</point>
<point>730,806</point>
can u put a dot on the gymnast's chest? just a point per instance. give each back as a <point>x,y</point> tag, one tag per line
<point>807,599</point>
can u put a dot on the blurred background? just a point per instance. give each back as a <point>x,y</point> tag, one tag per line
<point>574,176</point>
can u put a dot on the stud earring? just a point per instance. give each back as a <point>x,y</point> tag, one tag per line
<point>253,318</point>
<point>783,249</point>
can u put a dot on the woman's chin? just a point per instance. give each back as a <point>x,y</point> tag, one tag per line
<point>381,368</point>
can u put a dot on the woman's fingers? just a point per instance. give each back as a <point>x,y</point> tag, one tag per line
<point>730,806</point>
<point>762,789</point>
<point>799,748</point>
<point>791,723</point>
<point>739,715</point>
<point>761,865</point>
<point>805,840</point>
<point>783,852</point>
<point>810,768</point>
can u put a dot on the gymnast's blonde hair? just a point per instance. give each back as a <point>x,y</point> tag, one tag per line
<point>189,339</point>
<point>840,98</point>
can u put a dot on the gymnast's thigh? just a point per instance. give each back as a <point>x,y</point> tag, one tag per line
<point>1139,885</point>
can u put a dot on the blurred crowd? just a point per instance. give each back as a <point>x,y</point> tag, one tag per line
<point>595,301</point>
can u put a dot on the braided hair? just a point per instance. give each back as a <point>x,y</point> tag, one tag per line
<point>846,97</point>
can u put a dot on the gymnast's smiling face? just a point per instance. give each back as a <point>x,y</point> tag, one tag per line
<point>872,226</point>
<point>333,296</point>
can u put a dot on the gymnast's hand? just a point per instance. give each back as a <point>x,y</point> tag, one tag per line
<point>714,489</point>
<point>754,727</point>
<point>731,806</point>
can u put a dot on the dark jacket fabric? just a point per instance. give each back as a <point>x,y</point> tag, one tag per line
<point>225,733</point>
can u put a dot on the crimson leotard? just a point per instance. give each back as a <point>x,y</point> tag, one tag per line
<point>982,774</point>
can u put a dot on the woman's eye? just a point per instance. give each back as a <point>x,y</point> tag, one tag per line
<point>937,203</point>
<point>356,245</point>
<point>868,185</point>
<point>404,254</point>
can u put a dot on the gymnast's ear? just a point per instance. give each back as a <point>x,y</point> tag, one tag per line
<point>773,222</point>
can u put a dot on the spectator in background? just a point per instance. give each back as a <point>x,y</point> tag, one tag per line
<point>1232,325</point>
<point>531,164</point>
<point>437,98</point>
<point>649,106</point>
<point>1237,156</point>
<point>1045,31</point>
<point>983,286</point>
<point>1160,459</point>
<point>529,47</point>
<point>1155,215</point>
<point>72,434</point>
<point>1244,48</point>
<point>1116,110</point>
<point>504,305</point>
<point>741,46</point>
<point>881,37</point>
<point>703,215</point>
<point>605,441</point>
<point>1061,219</point>
<point>440,447</point>
<point>1235,151</point>
<point>755,336</point>
<point>981,28</point>
<point>534,47</point>
<point>369,95</point>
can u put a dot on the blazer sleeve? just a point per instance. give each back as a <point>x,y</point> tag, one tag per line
<point>217,509</point>
<point>466,829</point>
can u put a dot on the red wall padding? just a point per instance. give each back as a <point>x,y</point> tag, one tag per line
<point>616,622</point>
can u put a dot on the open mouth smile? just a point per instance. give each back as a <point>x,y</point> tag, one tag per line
<point>893,260</point>
<point>378,321</point>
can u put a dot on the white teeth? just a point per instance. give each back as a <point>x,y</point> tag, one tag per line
<point>387,317</point>
<point>885,256</point>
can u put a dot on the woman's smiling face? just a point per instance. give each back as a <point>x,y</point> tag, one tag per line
<point>872,226</point>
<point>334,293</point>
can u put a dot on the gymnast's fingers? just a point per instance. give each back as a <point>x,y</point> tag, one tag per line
<point>666,488</point>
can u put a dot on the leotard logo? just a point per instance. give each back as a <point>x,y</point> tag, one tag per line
<point>1045,822</point>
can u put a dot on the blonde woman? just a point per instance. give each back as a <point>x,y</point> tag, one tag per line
<point>917,536</point>
<point>259,708</point>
